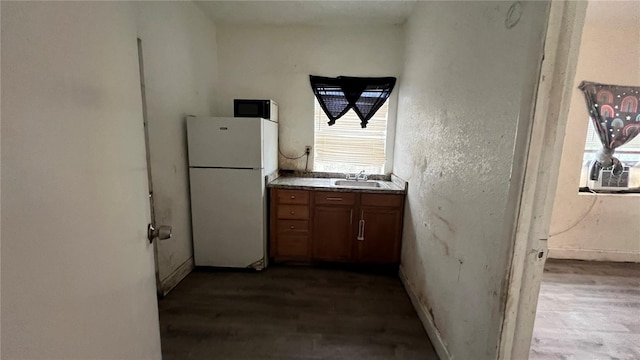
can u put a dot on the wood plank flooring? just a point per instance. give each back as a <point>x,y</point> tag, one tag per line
<point>588,311</point>
<point>291,313</point>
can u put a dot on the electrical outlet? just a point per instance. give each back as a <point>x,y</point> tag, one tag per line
<point>307,149</point>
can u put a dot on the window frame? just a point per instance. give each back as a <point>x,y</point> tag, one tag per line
<point>592,144</point>
<point>391,105</point>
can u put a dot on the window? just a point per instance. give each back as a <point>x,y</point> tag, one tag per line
<point>628,153</point>
<point>347,147</point>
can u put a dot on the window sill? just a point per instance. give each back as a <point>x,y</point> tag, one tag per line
<point>626,193</point>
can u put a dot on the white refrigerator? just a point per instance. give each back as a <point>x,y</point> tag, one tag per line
<point>229,159</point>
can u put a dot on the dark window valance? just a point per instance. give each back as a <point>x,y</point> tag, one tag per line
<point>365,95</point>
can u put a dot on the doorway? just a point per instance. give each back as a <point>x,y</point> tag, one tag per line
<point>529,252</point>
<point>550,206</point>
<point>588,302</point>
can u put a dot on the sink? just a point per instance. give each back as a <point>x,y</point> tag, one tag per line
<point>353,183</point>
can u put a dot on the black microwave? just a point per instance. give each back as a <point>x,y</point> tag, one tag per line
<point>266,109</point>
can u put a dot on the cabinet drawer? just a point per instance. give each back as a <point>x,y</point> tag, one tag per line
<point>386,200</point>
<point>294,212</point>
<point>292,226</point>
<point>293,246</point>
<point>293,196</point>
<point>334,198</point>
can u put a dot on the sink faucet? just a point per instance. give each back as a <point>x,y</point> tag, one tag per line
<point>361,176</point>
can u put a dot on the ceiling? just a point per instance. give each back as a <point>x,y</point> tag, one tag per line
<point>308,12</point>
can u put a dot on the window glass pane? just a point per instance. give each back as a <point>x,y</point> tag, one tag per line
<point>628,153</point>
<point>346,146</point>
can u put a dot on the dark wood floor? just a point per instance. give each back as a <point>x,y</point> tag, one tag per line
<point>291,313</point>
<point>588,311</point>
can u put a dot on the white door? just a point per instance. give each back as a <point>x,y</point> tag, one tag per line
<point>228,216</point>
<point>77,268</point>
<point>157,232</point>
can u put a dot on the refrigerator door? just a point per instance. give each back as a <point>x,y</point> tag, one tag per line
<point>225,142</point>
<point>270,146</point>
<point>228,211</point>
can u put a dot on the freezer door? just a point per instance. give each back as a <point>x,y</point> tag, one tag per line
<point>225,142</point>
<point>228,210</point>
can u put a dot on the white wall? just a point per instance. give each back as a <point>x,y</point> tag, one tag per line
<point>587,226</point>
<point>463,118</point>
<point>180,64</point>
<point>77,269</point>
<point>276,61</point>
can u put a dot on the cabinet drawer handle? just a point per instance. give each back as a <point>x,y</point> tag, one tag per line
<point>292,212</point>
<point>293,196</point>
<point>292,227</point>
<point>334,199</point>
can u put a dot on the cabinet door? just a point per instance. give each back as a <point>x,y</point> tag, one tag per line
<point>332,232</point>
<point>379,240</point>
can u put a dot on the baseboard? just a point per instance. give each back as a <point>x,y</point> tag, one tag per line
<point>426,319</point>
<point>594,255</point>
<point>178,275</point>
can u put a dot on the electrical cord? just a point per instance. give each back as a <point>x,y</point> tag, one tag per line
<point>595,199</point>
<point>293,158</point>
<point>306,153</point>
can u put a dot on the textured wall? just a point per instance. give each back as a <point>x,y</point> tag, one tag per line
<point>463,114</point>
<point>276,61</point>
<point>603,226</point>
<point>180,64</point>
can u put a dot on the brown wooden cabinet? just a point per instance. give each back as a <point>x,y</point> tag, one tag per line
<point>289,225</point>
<point>314,225</point>
<point>378,242</point>
<point>333,225</point>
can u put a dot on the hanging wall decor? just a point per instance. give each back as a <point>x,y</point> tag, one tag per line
<point>615,115</point>
<point>365,95</point>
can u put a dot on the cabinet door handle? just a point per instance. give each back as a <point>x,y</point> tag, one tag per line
<point>292,227</point>
<point>361,230</point>
<point>293,196</point>
<point>292,212</point>
<point>334,199</point>
<point>351,217</point>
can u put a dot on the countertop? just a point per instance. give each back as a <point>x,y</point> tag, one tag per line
<point>390,185</point>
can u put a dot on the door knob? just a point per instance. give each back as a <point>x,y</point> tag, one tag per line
<point>163,232</point>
